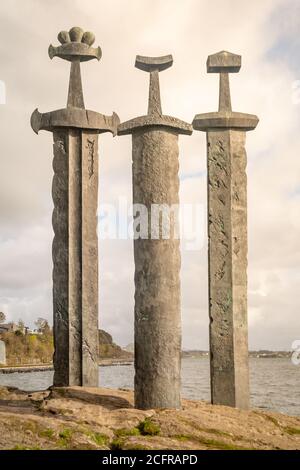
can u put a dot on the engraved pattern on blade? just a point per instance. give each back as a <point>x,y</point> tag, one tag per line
<point>90,343</point>
<point>220,268</point>
<point>91,156</point>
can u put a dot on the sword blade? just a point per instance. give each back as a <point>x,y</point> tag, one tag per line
<point>75,258</point>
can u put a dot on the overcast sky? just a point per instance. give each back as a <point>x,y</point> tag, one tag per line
<point>266,34</point>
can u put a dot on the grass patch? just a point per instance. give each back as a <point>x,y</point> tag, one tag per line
<point>148,428</point>
<point>66,434</point>
<point>181,438</point>
<point>292,431</point>
<point>100,439</point>
<point>60,391</point>
<point>221,445</point>
<point>137,447</point>
<point>48,433</point>
<point>273,420</point>
<point>193,425</point>
<point>217,432</point>
<point>65,437</point>
<point>22,447</point>
<point>210,443</point>
<point>117,444</point>
<point>268,418</point>
<point>127,432</point>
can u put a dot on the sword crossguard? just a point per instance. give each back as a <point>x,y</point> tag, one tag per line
<point>224,63</point>
<point>154,65</point>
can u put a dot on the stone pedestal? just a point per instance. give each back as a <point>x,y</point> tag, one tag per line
<point>227,240</point>
<point>75,195</point>
<point>157,261</point>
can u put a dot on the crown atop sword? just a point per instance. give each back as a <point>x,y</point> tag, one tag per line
<point>76,47</point>
<point>76,44</point>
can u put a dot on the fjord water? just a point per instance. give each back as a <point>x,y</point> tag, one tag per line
<point>274,382</point>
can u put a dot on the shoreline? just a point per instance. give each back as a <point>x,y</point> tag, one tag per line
<point>49,367</point>
<point>103,363</point>
<point>24,369</point>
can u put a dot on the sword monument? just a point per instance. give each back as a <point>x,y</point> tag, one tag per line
<point>227,239</point>
<point>157,326</point>
<point>75,193</point>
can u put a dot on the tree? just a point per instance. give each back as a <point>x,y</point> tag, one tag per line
<point>21,326</point>
<point>2,317</point>
<point>42,326</point>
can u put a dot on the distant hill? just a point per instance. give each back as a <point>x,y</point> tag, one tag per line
<point>130,348</point>
<point>36,349</point>
<point>110,350</point>
<point>260,353</point>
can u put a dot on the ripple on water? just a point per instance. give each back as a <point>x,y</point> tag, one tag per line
<point>275,383</point>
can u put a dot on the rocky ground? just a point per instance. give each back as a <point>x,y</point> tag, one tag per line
<point>87,418</point>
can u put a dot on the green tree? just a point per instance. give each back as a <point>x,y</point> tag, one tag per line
<point>2,317</point>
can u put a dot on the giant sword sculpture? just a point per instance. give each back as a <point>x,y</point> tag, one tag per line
<point>227,239</point>
<point>157,326</point>
<point>75,193</point>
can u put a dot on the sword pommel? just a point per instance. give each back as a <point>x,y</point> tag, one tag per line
<point>223,62</point>
<point>75,45</point>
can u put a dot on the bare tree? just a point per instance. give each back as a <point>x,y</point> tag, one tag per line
<point>42,326</point>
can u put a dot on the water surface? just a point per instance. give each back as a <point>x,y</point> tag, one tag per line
<point>275,382</point>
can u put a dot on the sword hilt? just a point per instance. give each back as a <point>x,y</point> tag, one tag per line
<point>75,45</point>
<point>154,65</point>
<point>224,63</point>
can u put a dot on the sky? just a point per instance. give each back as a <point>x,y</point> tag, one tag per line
<point>266,34</point>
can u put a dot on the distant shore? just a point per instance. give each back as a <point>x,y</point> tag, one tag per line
<point>27,368</point>
<point>128,362</point>
<point>49,367</point>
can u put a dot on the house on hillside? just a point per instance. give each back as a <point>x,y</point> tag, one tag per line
<point>7,327</point>
<point>10,327</point>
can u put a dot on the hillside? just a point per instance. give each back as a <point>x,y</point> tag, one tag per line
<point>110,350</point>
<point>22,349</point>
<point>37,349</point>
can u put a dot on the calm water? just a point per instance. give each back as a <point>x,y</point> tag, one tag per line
<point>275,383</point>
